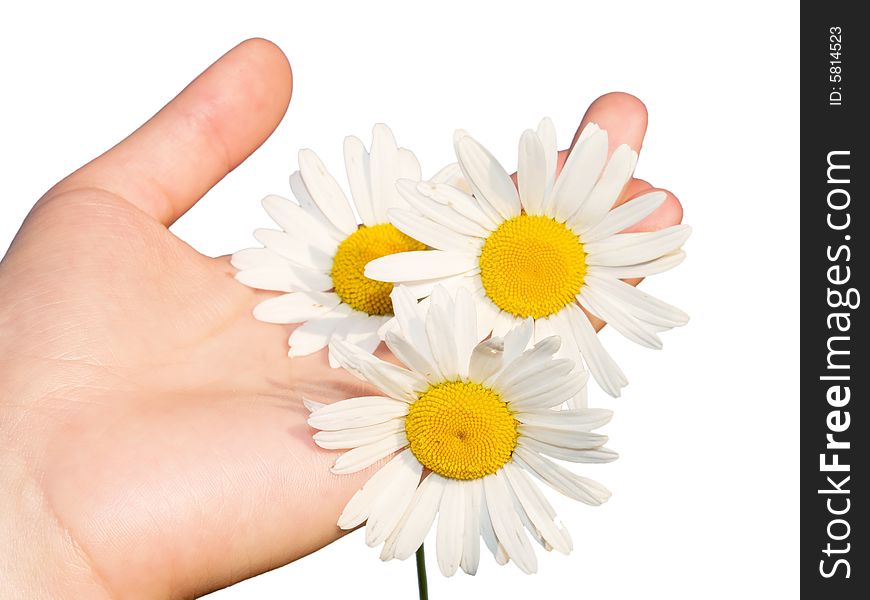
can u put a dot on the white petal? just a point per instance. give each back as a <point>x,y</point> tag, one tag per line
<point>356,162</point>
<point>547,134</point>
<point>358,436</point>
<point>553,385</point>
<point>285,278</point>
<point>561,479</point>
<point>563,436</point>
<point>419,265</point>
<point>364,456</point>
<point>314,335</point>
<point>624,216</point>
<point>433,234</point>
<point>450,174</point>
<point>387,510</point>
<point>517,340</point>
<point>424,198</point>
<point>487,178</point>
<point>302,224</point>
<point>604,369</point>
<point>475,220</point>
<point>532,173</point>
<point>296,251</point>
<point>471,527</point>
<point>384,161</point>
<point>357,412</point>
<point>465,330</point>
<point>312,405</point>
<point>486,359</point>
<point>409,356</point>
<point>616,175</point>
<point>583,419</point>
<point>251,258</point>
<point>653,267</point>
<point>539,511</point>
<point>393,380</point>
<point>451,521</point>
<point>618,318</point>
<point>584,455</point>
<point>365,500</point>
<point>439,329</point>
<point>503,323</point>
<point>506,523</point>
<point>309,206</point>
<point>528,362</point>
<point>639,304</point>
<point>487,313</point>
<point>578,177</point>
<point>326,192</point>
<point>409,166</point>
<point>412,321</point>
<point>295,307</point>
<point>632,248</point>
<point>409,536</point>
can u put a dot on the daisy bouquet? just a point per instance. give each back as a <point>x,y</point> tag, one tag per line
<point>486,294</point>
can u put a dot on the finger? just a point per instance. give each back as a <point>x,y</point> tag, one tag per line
<point>216,122</point>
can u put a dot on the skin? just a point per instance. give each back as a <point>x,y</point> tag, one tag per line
<point>152,438</point>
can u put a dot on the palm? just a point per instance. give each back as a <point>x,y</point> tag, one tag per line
<point>172,444</point>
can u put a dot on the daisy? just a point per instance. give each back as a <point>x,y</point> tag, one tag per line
<point>545,248</point>
<point>478,417</point>
<point>318,256</point>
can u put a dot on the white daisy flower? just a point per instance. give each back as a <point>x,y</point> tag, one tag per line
<point>545,248</point>
<point>478,417</point>
<point>319,255</point>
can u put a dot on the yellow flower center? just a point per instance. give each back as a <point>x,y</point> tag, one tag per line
<point>461,430</point>
<point>354,253</point>
<point>532,266</point>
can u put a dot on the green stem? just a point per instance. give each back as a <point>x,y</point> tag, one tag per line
<point>421,574</point>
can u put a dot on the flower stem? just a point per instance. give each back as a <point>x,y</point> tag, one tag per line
<point>421,574</point>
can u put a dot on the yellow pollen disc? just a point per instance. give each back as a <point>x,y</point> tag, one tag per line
<point>354,253</point>
<point>532,266</point>
<point>461,430</point>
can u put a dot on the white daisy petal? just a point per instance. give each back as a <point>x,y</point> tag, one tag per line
<point>528,362</point>
<point>506,523</point>
<point>487,313</point>
<point>563,436</point>
<point>418,195</point>
<point>570,350</point>
<point>532,173</point>
<point>326,192</point>
<point>364,456</point>
<point>578,177</point>
<point>302,224</point>
<point>357,412</point>
<point>604,369</point>
<point>409,166</point>
<point>314,335</point>
<point>465,330</point>
<point>409,536</point>
<point>285,278</point>
<point>585,455</point>
<point>487,178</point>
<point>412,321</point>
<point>475,220</point>
<point>391,504</point>
<point>582,419</point>
<point>296,251</point>
<point>439,329</point>
<point>617,317</point>
<point>358,436</point>
<point>637,303</point>
<point>384,161</point>
<point>557,387</point>
<point>312,405</point>
<point>251,258</point>
<point>561,479</point>
<point>451,175</point>
<point>653,267</point>
<point>503,323</point>
<point>408,355</point>
<point>295,307</point>
<point>419,265</point>
<point>394,381</point>
<point>372,493</point>
<point>451,522</point>
<point>547,134</point>
<point>356,163</point>
<point>309,206</point>
<point>486,530</point>
<point>632,248</point>
<point>631,213</point>
<point>538,510</point>
<point>486,359</point>
<point>471,527</point>
<point>517,340</point>
<point>431,233</point>
<point>603,196</point>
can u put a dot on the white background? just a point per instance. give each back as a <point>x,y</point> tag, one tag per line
<point>705,492</point>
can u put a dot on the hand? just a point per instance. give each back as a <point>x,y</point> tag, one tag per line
<point>152,438</point>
